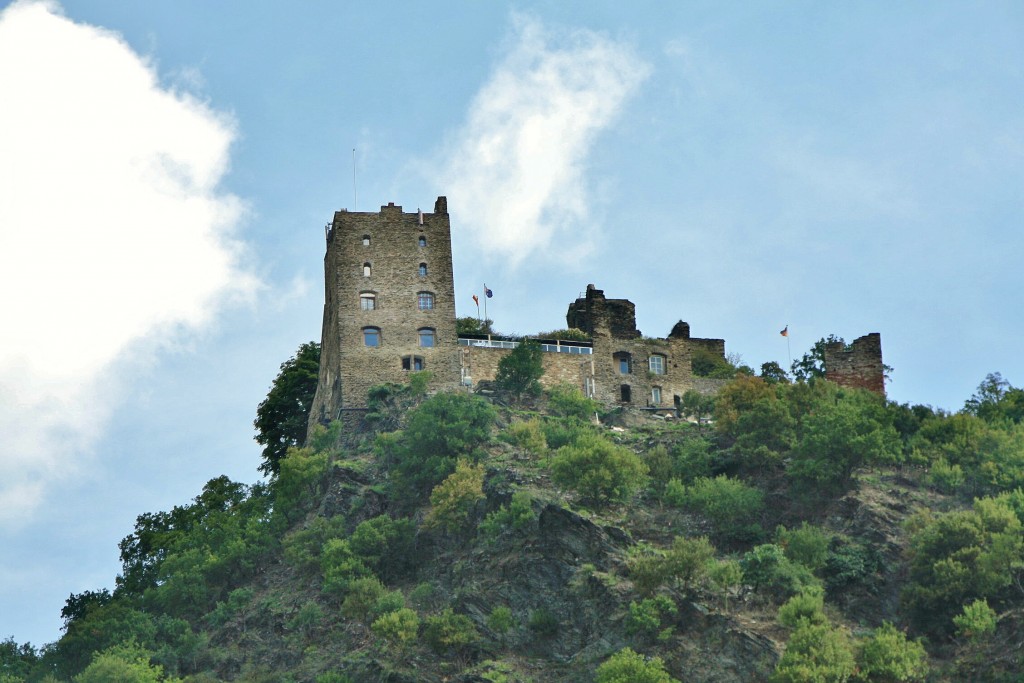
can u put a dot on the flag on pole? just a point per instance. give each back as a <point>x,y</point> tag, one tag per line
<point>785,331</point>
<point>488,292</point>
<point>476,300</point>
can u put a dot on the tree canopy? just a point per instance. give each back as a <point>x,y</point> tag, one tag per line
<point>282,417</point>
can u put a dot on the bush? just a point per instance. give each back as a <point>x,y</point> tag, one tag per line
<point>816,652</point>
<point>566,400</point>
<point>340,566</point>
<point>527,435</point>
<point>887,655</point>
<point>128,663</point>
<point>599,471</point>
<point>297,486</point>
<point>731,505</point>
<point>452,501</point>
<point>806,544</point>
<point>693,459</point>
<point>516,516</point>
<point>448,632</point>
<point>767,568</point>
<point>519,372</point>
<point>647,616</point>
<point>399,627</point>
<point>977,621</point>
<point>363,594</point>
<point>500,620</point>
<point>725,575</point>
<point>626,666</point>
<point>808,606</point>
<point>543,622</point>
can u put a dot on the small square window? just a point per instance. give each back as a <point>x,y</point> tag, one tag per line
<point>425,301</point>
<point>423,241</point>
<point>657,364</point>
<point>423,270</point>
<point>366,240</point>
<point>371,336</point>
<point>367,301</point>
<point>427,338</point>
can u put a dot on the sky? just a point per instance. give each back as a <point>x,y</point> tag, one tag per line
<point>167,168</point>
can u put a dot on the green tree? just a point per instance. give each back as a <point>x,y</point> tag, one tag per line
<point>773,372</point>
<point>731,505</point>
<point>501,620</point>
<point>399,627</point>
<point>122,664</point>
<point>996,400</point>
<point>698,406</point>
<point>600,471</point>
<point>283,416</point>
<point>626,666</point>
<point>520,371</point>
<point>470,325</point>
<point>886,656</point>
<point>451,633</point>
<point>806,544</point>
<point>807,606</point>
<point>812,364</point>
<point>816,653</point>
<point>452,501</point>
<point>977,621</point>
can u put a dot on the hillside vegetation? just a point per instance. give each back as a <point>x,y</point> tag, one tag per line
<point>806,533</point>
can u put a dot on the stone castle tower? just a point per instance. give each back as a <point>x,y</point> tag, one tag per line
<point>389,306</point>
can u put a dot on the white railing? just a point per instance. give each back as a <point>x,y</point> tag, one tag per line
<point>503,344</point>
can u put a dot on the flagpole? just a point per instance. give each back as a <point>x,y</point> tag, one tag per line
<point>485,303</point>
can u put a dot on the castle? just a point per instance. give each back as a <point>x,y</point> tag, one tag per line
<point>389,309</point>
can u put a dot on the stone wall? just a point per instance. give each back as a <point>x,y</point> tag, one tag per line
<point>480,364</point>
<point>860,366</point>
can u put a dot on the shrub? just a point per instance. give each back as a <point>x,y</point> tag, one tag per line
<point>598,470</point>
<point>807,544</point>
<point>566,400</point>
<point>687,560</point>
<point>659,467</point>
<point>848,563</point>
<point>626,666</point>
<point>725,575</point>
<point>816,652</point>
<point>500,620</point>
<point>767,568</point>
<point>340,566</point>
<point>390,601</point>
<point>693,459</point>
<point>399,627</point>
<point>519,372</point>
<point>977,621</point>
<point>527,435</point>
<point>516,516</point>
<point>363,594</point>
<point>127,662</point>
<point>560,433</point>
<point>887,655</point>
<point>299,477</point>
<point>807,606</point>
<point>449,632</point>
<point>731,505</point>
<point>543,622</point>
<point>384,544</point>
<point>647,568</point>
<point>423,595</point>
<point>647,616</point>
<point>452,501</point>
<point>302,548</point>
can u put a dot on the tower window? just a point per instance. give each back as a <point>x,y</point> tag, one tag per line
<point>624,361</point>
<point>423,241</point>
<point>366,240</point>
<point>371,336</point>
<point>367,301</point>
<point>366,269</point>
<point>655,396</point>
<point>625,393</point>
<point>423,270</point>
<point>425,301</point>
<point>427,337</point>
<point>657,364</point>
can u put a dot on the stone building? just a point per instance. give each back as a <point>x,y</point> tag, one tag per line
<point>389,310</point>
<point>389,305</point>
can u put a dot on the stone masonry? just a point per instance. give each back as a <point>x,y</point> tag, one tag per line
<point>858,366</point>
<point>389,310</point>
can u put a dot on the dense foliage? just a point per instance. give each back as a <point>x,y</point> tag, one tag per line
<point>456,539</point>
<point>282,417</point>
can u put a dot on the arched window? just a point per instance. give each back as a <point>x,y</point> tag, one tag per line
<point>367,301</point>
<point>427,337</point>
<point>371,336</point>
<point>425,301</point>
<point>657,364</point>
<point>366,269</point>
<point>423,270</point>
<point>423,241</point>
<point>366,240</point>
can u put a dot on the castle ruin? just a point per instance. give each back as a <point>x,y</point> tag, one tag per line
<point>389,309</point>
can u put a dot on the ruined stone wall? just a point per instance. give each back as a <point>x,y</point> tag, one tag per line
<point>392,257</point>
<point>481,365</point>
<point>860,366</point>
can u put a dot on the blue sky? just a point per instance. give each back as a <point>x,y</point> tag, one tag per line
<point>166,170</point>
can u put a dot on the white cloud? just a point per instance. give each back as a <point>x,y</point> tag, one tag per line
<point>516,169</point>
<point>112,230</point>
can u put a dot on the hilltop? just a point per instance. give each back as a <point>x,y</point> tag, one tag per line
<point>805,532</point>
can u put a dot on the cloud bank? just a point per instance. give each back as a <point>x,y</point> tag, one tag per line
<point>516,170</point>
<point>112,231</point>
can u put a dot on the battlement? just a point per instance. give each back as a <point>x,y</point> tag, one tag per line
<point>857,365</point>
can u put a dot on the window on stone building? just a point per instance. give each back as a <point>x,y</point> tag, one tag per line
<point>657,364</point>
<point>366,240</point>
<point>423,270</point>
<point>414,363</point>
<point>655,396</point>
<point>425,301</point>
<point>366,269</point>
<point>624,361</point>
<point>371,336</point>
<point>426,337</point>
<point>625,393</point>
<point>367,301</point>
<point>423,241</point>
<point>588,387</point>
